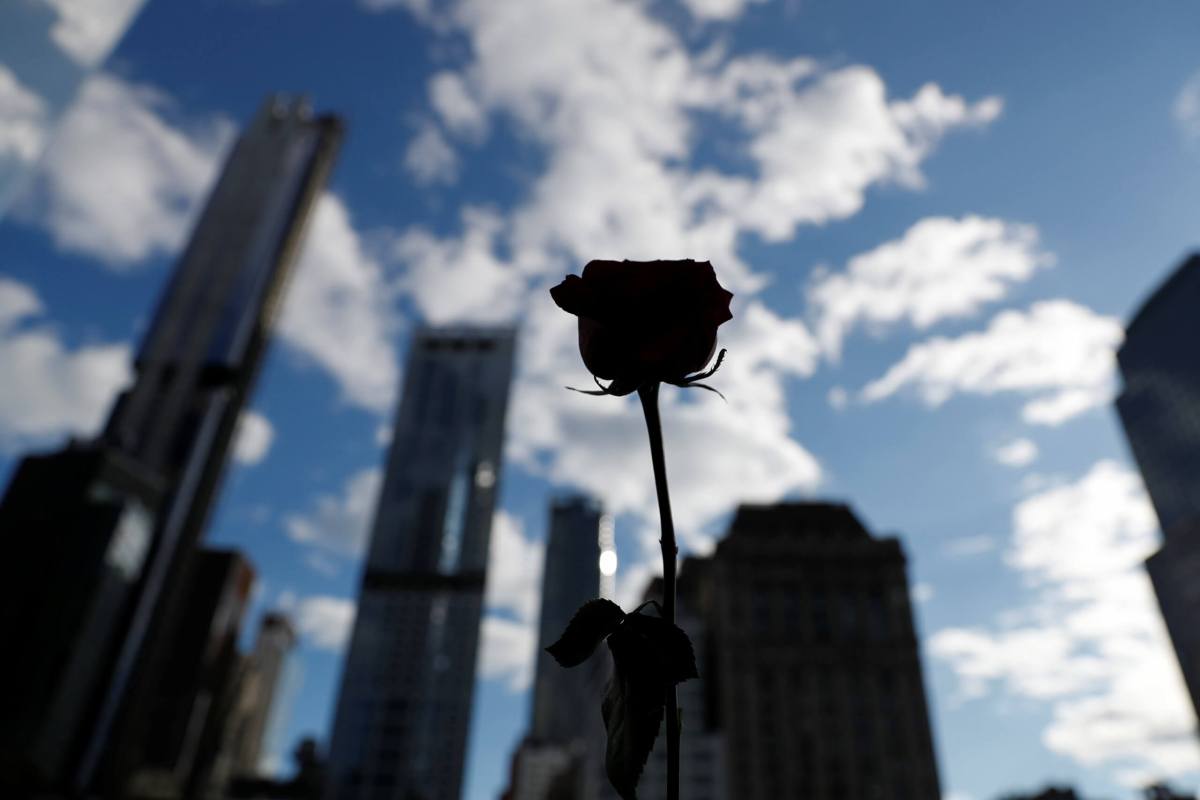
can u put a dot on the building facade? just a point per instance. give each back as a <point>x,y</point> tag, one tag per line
<point>1159,408</point>
<point>810,676</point>
<point>404,706</point>
<point>816,655</point>
<point>198,685</point>
<point>260,690</point>
<point>702,756</point>
<point>117,518</point>
<point>570,578</point>
<point>579,563</point>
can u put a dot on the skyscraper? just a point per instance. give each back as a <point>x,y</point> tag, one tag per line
<point>810,676</point>
<point>97,533</point>
<point>579,564</point>
<point>570,578</point>
<point>816,655</point>
<point>1160,410</point>
<point>260,690</point>
<point>197,685</point>
<point>400,728</point>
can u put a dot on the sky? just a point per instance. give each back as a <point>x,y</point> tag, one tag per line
<point>936,218</point>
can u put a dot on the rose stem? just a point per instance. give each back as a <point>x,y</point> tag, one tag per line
<point>649,397</point>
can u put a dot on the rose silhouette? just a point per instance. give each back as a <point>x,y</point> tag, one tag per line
<point>645,322</point>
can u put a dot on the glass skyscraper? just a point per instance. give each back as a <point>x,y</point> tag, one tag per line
<point>570,578</point>
<point>99,533</point>
<point>404,707</point>
<point>1160,409</point>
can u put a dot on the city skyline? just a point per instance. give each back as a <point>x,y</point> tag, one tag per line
<point>937,223</point>
<point>113,523</point>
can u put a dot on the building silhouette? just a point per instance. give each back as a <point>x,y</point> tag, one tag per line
<point>1049,793</point>
<point>810,674</point>
<point>570,578</point>
<point>198,684</point>
<point>1159,408</point>
<point>100,534</point>
<point>404,706</point>
<point>702,770</point>
<point>563,715</point>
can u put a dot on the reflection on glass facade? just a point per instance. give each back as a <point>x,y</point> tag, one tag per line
<point>1160,409</point>
<point>404,706</point>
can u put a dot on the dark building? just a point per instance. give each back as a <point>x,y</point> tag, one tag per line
<point>579,561</point>
<point>1160,410</point>
<point>98,534</point>
<point>197,687</point>
<point>404,707</point>
<point>702,748</point>
<point>810,674</point>
<point>570,578</point>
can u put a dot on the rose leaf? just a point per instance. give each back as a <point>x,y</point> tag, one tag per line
<point>632,708</point>
<point>594,620</point>
<point>669,644</point>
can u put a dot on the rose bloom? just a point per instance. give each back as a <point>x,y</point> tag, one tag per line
<point>645,321</point>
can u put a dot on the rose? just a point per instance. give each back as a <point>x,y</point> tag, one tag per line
<point>645,321</point>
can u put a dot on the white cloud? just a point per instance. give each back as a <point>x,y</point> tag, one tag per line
<point>119,182</point>
<point>611,93</point>
<point>430,158</point>
<point>1090,647</point>
<point>51,389</point>
<point>967,546</point>
<point>507,649</point>
<point>456,280</point>
<point>253,438</point>
<point>419,8</point>
<point>923,592</point>
<point>22,119</point>
<point>820,138</point>
<point>323,621</point>
<point>942,268</point>
<point>514,578</point>
<point>1058,351</point>
<point>87,30</point>
<point>338,310</point>
<point>456,104</point>
<point>1018,453</point>
<point>718,10</point>
<point>1186,109</point>
<point>339,524</point>
<point>838,398</point>
<point>512,604</point>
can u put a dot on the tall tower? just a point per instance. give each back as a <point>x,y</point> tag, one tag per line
<point>98,532</point>
<point>276,638</point>
<point>1160,410</point>
<point>400,729</point>
<point>570,578</point>
<point>579,564</point>
<point>197,686</point>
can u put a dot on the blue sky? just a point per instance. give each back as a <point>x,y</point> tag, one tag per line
<point>936,217</point>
